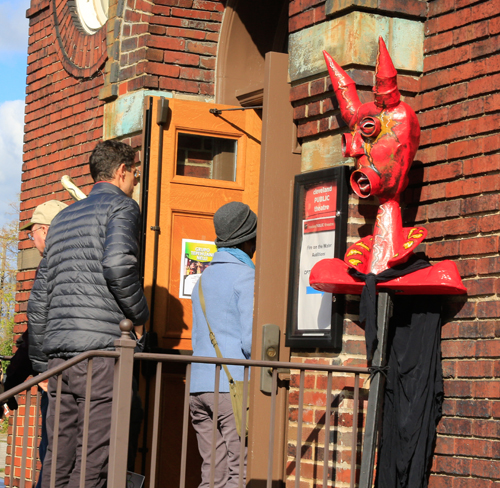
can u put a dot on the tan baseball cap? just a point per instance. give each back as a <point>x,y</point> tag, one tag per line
<point>44,213</point>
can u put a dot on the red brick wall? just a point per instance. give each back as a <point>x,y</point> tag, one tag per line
<point>454,194</point>
<point>186,33</point>
<point>63,122</point>
<point>163,44</point>
<point>172,45</point>
<point>304,13</point>
<point>168,45</point>
<point>20,426</point>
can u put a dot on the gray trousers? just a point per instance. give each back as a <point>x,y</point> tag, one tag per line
<point>69,452</point>
<point>227,444</point>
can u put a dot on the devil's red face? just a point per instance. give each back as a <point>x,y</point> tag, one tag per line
<point>384,134</point>
<point>384,142</point>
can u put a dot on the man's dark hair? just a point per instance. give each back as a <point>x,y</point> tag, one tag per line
<point>107,157</point>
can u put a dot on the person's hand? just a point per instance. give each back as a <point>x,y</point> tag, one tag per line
<point>44,385</point>
<point>139,330</point>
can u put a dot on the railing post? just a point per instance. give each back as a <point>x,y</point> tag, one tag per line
<point>120,413</point>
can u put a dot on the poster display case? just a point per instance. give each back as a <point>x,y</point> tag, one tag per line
<point>314,318</point>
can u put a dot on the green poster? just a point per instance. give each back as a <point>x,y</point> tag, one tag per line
<point>196,256</point>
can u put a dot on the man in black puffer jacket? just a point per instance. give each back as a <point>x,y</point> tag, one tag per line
<point>88,281</point>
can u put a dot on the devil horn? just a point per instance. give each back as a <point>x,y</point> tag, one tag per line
<point>345,90</point>
<point>386,76</point>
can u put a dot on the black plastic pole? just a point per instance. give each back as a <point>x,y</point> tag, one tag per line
<point>162,117</point>
<point>376,395</point>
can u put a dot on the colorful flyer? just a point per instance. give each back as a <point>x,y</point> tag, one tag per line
<point>195,257</point>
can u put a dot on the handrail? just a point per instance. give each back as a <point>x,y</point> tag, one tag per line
<point>178,359</point>
<point>175,358</point>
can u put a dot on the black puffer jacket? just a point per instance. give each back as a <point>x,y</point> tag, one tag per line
<point>88,280</point>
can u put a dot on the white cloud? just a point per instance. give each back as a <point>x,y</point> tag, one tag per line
<point>11,155</point>
<point>14,31</point>
<point>13,49</point>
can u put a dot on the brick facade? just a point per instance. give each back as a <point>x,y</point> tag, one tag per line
<point>457,186</point>
<point>171,46</point>
<point>453,192</point>
<point>166,45</point>
<point>63,122</point>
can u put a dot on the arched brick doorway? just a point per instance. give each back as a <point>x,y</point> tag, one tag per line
<point>249,31</point>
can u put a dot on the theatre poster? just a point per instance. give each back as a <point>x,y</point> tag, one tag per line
<point>319,232</point>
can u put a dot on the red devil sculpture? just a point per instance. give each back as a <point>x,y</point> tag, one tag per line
<point>384,138</point>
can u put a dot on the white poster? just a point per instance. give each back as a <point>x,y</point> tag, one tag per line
<point>314,307</point>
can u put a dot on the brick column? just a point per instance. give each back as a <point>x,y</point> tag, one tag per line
<point>349,31</point>
<point>454,194</point>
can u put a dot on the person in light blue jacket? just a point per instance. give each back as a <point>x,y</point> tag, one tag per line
<point>228,288</point>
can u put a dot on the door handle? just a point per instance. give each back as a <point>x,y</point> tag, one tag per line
<point>270,352</point>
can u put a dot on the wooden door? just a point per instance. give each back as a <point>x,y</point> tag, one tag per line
<point>207,160</point>
<point>198,162</point>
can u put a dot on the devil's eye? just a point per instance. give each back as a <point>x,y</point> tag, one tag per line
<point>370,127</point>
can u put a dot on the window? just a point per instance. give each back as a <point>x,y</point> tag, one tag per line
<point>206,157</point>
<point>93,14</point>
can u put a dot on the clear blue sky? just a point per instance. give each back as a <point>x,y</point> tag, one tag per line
<point>13,63</point>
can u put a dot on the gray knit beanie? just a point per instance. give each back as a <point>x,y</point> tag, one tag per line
<point>234,223</point>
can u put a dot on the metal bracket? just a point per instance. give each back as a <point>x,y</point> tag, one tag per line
<point>155,228</point>
<point>218,111</point>
<point>162,113</point>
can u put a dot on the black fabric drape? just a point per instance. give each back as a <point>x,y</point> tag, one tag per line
<point>368,302</point>
<point>413,394</point>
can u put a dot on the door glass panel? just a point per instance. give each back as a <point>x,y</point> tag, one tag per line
<point>213,158</point>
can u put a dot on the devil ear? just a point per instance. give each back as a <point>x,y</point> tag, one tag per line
<point>344,89</point>
<point>386,79</point>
